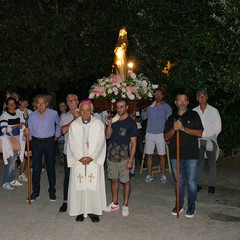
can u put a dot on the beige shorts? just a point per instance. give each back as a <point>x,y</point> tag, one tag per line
<point>117,170</point>
<point>152,140</point>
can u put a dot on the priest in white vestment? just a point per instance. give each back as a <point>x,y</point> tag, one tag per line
<point>86,151</point>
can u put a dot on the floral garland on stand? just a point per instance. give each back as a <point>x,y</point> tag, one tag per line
<point>112,88</point>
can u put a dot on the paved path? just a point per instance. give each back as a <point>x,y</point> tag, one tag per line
<point>217,217</point>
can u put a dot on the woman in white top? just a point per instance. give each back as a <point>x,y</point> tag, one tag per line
<point>24,112</point>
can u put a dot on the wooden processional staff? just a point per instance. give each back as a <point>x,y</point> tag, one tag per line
<point>28,159</point>
<point>178,174</point>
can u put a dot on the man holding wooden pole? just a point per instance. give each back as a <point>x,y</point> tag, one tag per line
<point>182,130</point>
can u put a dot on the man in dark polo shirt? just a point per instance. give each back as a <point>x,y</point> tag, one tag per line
<point>190,128</point>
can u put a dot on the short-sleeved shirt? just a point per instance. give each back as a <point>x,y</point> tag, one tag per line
<point>65,119</point>
<point>188,143</point>
<point>156,117</point>
<point>118,146</point>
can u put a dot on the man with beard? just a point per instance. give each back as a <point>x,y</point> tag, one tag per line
<point>156,115</point>
<point>189,126</point>
<point>122,135</point>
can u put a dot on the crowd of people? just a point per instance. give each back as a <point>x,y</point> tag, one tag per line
<point>87,142</point>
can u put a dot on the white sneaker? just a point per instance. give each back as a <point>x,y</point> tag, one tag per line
<point>7,186</point>
<point>112,207</point>
<point>23,177</point>
<point>125,211</point>
<point>149,178</point>
<point>15,183</point>
<point>174,211</point>
<point>163,179</point>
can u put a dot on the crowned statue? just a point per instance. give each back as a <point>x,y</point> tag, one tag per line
<point>120,59</point>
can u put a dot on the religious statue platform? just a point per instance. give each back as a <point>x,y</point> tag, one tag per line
<point>105,104</point>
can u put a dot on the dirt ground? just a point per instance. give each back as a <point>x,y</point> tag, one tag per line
<point>229,162</point>
<point>217,217</point>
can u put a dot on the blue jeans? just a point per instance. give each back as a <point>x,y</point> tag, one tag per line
<point>39,149</point>
<point>9,169</point>
<point>188,173</point>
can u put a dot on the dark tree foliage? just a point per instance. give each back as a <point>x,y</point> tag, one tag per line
<point>65,45</point>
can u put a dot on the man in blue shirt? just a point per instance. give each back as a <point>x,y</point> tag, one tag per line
<point>156,115</point>
<point>44,130</point>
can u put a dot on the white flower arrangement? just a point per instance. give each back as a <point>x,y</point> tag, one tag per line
<point>112,88</point>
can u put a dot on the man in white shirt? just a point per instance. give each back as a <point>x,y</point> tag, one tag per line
<point>212,124</point>
<point>65,122</point>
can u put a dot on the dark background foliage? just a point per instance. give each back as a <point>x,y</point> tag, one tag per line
<point>63,46</point>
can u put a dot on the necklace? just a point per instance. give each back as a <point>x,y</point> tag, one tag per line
<point>86,134</point>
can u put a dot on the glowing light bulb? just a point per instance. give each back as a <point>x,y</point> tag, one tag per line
<point>130,66</point>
